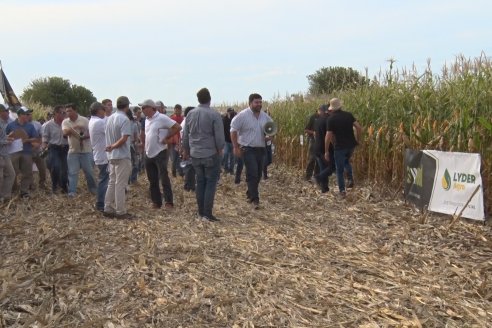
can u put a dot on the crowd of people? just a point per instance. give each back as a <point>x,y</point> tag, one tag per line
<point>123,142</point>
<point>113,146</point>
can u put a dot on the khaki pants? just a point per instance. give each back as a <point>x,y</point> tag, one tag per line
<point>22,164</point>
<point>119,173</point>
<point>7,177</point>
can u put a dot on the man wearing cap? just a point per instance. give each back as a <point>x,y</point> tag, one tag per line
<point>97,125</point>
<point>76,129</point>
<point>7,172</point>
<point>340,130</point>
<point>203,141</point>
<point>21,154</point>
<point>117,132</point>
<point>57,145</point>
<point>159,129</point>
<point>248,140</point>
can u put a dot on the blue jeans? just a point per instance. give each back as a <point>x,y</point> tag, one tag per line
<point>77,161</point>
<point>102,185</point>
<point>254,159</point>
<point>342,163</point>
<point>57,165</point>
<point>207,175</point>
<point>228,159</point>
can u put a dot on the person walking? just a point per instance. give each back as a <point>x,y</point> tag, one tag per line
<point>117,134</point>
<point>57,145</point>
<point>158,131</point>
<point>340,130</point>
<point>97,126</point>
<point>248,140</point>
<point>203,141</point>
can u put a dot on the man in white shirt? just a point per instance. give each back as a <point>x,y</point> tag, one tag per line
<point>248,140</point>
<point>97,124</point>
<point>159,128</point>
<point>117,132</point>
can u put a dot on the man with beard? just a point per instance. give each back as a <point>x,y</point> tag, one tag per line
<point>248,140</point>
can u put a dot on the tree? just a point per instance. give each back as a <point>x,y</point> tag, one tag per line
<point>51,91</point>
<point>329,79</point>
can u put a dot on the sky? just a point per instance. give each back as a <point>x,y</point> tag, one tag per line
<point>168,50</point>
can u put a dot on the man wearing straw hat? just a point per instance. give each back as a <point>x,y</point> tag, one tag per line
<point>340,130</point>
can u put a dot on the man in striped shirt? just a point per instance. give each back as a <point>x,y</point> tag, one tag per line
<point>248,140</point>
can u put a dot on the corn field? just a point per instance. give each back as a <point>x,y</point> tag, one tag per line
<point>449,111</point>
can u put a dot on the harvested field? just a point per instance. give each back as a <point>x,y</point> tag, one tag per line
<point>304,260</point>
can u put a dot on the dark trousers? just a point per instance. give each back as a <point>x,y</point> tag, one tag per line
<point>57,165</point>
<point>254,159</point>
<point>207,175</point>
<point>189,178</point>
<point>156,168</point>
<point>326,170</point>
<point>239,168</point>
<point>311,163</point>
<point>268,160</point>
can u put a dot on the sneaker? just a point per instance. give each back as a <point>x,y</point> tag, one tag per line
<point>210,218</point>
<point>169,206</point>
<point>125,216</point>
<point>108,214</point>
<point>71,194</point>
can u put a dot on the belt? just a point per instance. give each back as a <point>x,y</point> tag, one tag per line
<point>53,146</point>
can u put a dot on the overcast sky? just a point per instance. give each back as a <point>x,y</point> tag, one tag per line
<point>167,50</point>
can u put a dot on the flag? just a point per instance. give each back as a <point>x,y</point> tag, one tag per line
<point>7,92</point>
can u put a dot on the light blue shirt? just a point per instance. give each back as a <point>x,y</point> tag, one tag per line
<point>118,125</point>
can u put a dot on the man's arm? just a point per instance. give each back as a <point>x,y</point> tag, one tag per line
<point>328,139</point>
<point>120,142</point>
<point>172,131</point>
<point>358,131</point>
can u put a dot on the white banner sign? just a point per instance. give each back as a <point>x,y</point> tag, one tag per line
<point>457,176</point>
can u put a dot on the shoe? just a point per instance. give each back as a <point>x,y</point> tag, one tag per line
<point>125,216</point>
<point>256,204</point>
<point>99,209</point>
<point>156,206</point>
<point>323,188</point>
<point>108,214</point>
<point>237,180</point>
<point>25,195</point>
<point>71,194</point>
<point>210,218</point>
<point>169,206</point>
<point>350,184</point>
<point>308,180</point>
<point>343,194</point>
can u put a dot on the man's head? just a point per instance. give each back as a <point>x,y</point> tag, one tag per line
<point>123,103</point>
<point>178,110</point>
<point>23,114</point>
<point>255,102</point>
<point>187,110</point>
<point>335,104</point>
<point>149,107</point>
<point>203,96</point>
<point>161,108</point>
<point>137,111</point>
<point>97,109</point>
<point>59,113</point>
<point>323,110</point>
<point>71,110</point>
<point>108,106</point>
<point>4,112</point>
<point>230,112</point>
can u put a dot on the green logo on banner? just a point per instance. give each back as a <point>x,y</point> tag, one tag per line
<point>446,180</point>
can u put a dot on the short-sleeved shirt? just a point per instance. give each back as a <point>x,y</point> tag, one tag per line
<point>311,124</point>
<point>98,139</point>
<point>30,131</point>
<point>156,129</point>
<point>341,123</point>
<point>80,125</point>
<point>117,126</point>
<point>53,134</point>
<point>250,128</point>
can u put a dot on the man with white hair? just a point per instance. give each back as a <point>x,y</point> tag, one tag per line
<point>340,130</point>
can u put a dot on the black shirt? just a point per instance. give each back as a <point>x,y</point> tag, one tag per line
<point>320,132</point>
<point>341,123</point>
<point>310,124</point>
<point>227,127</point>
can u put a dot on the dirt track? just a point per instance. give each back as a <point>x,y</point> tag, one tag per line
<point>304,260</point>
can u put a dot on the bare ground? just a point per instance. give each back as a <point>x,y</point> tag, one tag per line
<point>304,259</point>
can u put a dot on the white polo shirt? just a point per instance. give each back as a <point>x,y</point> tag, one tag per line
<point>156,130</point>
<point>98,139</point>
<point>249,128</point>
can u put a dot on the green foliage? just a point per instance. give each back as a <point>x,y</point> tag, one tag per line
<point>329,79</point>
<point>52,91</point>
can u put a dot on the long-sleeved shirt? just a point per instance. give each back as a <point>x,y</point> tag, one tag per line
<point>203,134</point>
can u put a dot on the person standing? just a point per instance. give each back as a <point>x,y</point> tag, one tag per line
<point>189,171</point>
<point>203,141</point>
<point>176,142</point>
<point>36,152</point>
<point>76,129</point>
<point>57,144</point>
<point>248,140</point>
<point>7,172</point>
<point>311,167</point>
<point>97,126</point>
<point>228,158</point>
<point>108,107</point>
<point>340,130</point>
<point>159,128</point>
<point>117,134</point>
<point>326,167</point>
